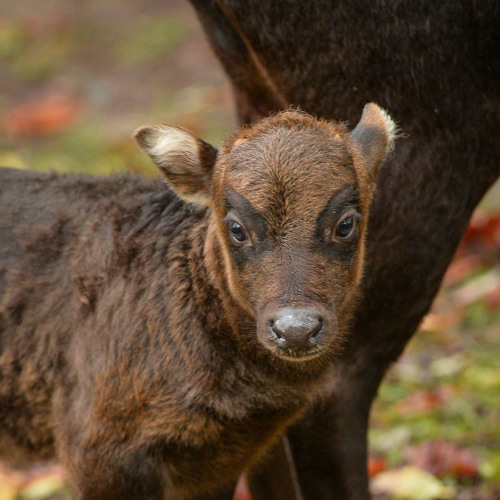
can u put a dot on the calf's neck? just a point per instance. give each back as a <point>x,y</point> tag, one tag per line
<point>157,338</point>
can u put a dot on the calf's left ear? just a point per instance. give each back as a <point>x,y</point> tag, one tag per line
<point>374,136</point>
<point>185,160</point>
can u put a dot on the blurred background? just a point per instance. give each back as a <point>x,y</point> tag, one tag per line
<point>77,78</point>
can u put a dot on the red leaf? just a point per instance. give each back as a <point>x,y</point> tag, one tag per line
<point>242,490</point>
<point>483,229</point>
<point>424,402</point>
<point>493,299</point>
<point>461,266</point>
<point>442,457</point>
<point>419,402</point>
<point>376,465</point>
<point>47,116</point>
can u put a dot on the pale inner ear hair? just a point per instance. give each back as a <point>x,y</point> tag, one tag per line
<point>172,148</point>
<point>392,131</point>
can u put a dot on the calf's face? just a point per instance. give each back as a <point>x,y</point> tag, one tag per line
<point>289,199</point>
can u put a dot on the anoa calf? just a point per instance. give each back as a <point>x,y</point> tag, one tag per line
<point>158,347</point>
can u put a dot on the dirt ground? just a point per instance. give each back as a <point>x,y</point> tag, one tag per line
<point>78,77</point>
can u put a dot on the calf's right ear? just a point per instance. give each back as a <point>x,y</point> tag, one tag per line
<point>185,160</point>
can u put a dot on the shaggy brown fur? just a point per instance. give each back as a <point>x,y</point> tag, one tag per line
<point>136,331</point>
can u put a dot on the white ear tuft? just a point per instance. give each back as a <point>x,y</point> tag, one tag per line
<point>375,135</point>
<point>168,145</point>
<point>185,160</point>
<point>391,127</point>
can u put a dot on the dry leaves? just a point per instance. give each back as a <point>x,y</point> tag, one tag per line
<point>33,483</point>
<point>49,115</point>
<point>411,483</point>
<point>440,458</point>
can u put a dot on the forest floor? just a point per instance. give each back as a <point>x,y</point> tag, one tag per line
<point>77,78</point>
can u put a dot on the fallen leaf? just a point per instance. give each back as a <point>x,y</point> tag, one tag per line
<point>440,322</point>
<point>443,457</point>
<point>460,267</point>
<point>47,116</point>
<point>424,402</point>
<point>376,465</point>
<point>483,229</point>
<point>7,491</point>
<point>43,487</point>
<point>493,298</point>
<point>490,470</point>
<point>11,159</point>
<point>477,288</point>
<point>410,483</point>
<point>242,490</point>
<point>10,483</point>
<point>419,402</point>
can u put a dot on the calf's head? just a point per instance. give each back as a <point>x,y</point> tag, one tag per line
<point>289,200</point>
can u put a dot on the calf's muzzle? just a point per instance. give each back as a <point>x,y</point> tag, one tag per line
<point>295,331</point>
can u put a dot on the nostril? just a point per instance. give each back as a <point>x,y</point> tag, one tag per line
<point>275,330</point>
<point>317,328</point>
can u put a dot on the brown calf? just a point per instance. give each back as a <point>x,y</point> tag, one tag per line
<point>159,348</point>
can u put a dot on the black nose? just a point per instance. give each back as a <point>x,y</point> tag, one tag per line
<point>296,327</point>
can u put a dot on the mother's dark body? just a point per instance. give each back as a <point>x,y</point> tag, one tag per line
<point>432,65</point>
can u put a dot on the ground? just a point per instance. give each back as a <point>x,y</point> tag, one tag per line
<point>77,78</point>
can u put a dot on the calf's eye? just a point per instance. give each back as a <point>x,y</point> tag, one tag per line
<point>237,232</point>
<point>346,227</point>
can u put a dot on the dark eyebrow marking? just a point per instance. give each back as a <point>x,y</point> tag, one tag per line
<point>347,196</point>
<point>248,214</point>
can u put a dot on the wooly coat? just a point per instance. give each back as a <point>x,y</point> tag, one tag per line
<point>157,341</point>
